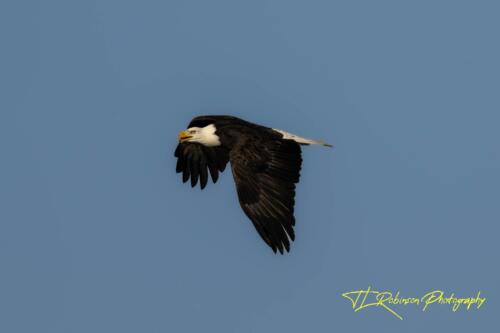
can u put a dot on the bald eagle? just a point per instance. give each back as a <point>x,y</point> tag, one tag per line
<point>265,163</point>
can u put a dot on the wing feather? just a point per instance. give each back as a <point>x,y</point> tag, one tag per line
<point>194,164</point>
<point>193,160</point>
<point>265,173</point>
<point>203,172</point>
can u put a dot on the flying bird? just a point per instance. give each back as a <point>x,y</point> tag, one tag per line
<point>265,163</point>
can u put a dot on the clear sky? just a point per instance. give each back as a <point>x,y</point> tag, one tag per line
<point>98,233</point>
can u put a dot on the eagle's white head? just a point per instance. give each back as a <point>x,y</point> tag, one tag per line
<point>204,135</point>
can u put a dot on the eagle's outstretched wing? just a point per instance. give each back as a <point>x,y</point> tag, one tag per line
<point>265,173</point>
<point>193,160</point>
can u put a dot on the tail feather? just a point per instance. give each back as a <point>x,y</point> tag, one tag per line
<point>301,140</point>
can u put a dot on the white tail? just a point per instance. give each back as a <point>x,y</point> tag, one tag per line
<point>301,140</point>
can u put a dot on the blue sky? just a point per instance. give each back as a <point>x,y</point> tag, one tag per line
<point>98,233</point>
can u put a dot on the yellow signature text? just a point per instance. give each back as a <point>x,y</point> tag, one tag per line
<point>362,299</point>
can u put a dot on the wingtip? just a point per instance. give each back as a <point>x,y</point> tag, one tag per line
<point>281,251</point>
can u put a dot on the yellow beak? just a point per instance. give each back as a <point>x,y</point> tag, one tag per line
<point>184,135</point>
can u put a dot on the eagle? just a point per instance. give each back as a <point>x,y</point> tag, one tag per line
<point>265,163</point>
